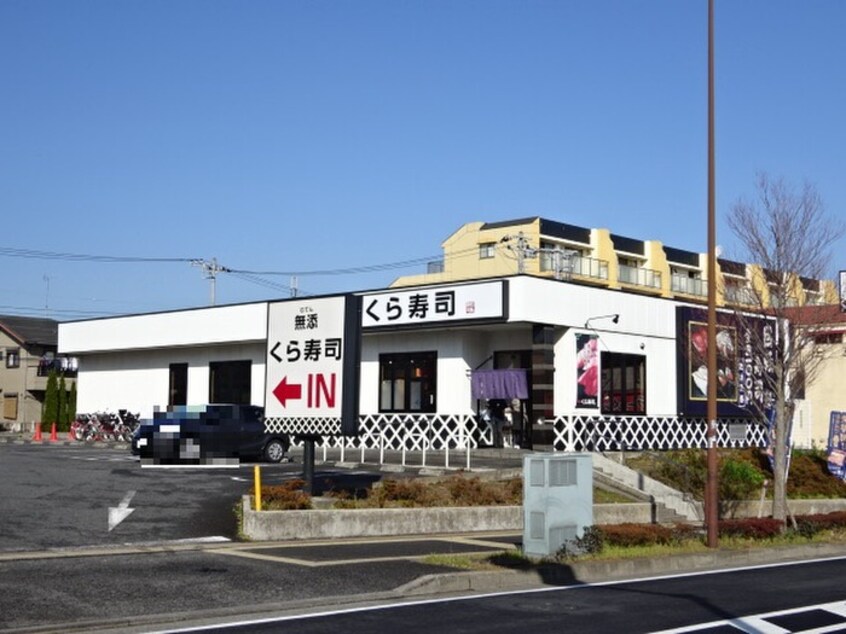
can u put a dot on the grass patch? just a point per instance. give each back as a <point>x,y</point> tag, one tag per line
<point>462,562</point>
<point>516,560</point>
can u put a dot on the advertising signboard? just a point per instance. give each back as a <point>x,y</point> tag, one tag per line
<point>843,291</point>
<point>746,348</point>
<point>587,371</point>
<point>313,350</point>
<point>437,304</point>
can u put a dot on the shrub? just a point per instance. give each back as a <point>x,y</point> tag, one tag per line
<point>738,480</point>
<point>810,525</point>
<point>627,535</point>
<point>751,528</point>
<point>454,491</point>
<point>809,477</point>
<point>592,540</point>
<point>288,496</point>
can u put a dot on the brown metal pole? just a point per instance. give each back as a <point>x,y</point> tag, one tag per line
<point>711,496</point>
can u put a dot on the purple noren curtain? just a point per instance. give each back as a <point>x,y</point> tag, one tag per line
<point>505,384</point>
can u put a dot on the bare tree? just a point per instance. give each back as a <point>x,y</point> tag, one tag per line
<point>789,235</point>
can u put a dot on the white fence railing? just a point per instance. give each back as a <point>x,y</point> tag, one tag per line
<point>463,433</point>
<point>636,433</point>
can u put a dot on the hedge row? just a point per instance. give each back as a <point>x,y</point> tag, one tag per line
<point>595,538</point>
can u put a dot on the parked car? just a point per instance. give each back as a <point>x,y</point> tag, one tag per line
<point>207,434</point>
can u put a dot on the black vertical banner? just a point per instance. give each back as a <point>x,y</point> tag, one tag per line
<point>352,364</point>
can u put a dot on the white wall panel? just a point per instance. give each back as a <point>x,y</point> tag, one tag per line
<point>203,326</point>
<point>562,304</point>
<point>138,380</point>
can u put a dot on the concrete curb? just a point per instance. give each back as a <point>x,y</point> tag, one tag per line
<point>585,572</point>
<point>20,439</point>
<point>321,524</point>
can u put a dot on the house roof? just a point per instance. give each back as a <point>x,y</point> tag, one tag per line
<point>826,317</point>
<point>30,330</point>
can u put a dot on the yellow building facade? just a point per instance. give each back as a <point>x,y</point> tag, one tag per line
<point>548,248</point>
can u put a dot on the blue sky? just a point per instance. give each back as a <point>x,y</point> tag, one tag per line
<point>323,135</point>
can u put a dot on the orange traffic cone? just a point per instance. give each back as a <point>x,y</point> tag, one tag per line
<point>37,435</point>
<point>54,436</point>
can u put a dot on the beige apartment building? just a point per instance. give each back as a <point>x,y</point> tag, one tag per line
<point>596,257</point>
<point>543,247</point>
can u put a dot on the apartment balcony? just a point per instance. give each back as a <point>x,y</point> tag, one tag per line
<point>689,285</point>
<point>567,266</point>
<point>637,276</point>
<point>590,267</point>
<point>742,295</point>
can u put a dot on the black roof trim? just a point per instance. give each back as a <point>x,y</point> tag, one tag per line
<point>732,268</point>
<point>680,256</point>
<point>508,223</point>
<point>629,245</point>
<point>810,284</point>
<point>555,229</point>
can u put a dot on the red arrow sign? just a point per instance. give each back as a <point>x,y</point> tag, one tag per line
<point>283,391</point>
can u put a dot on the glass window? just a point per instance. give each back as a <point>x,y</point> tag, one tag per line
<point>623,383</point>
<point>407,382</point>
<point>13,357</point>
<point>230,382</point>
<point>487,250</point>
<point>178,389</point>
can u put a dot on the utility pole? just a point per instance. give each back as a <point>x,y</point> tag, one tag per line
<point>211,269</point>
<point>520,248</point>
<point>711,484</point>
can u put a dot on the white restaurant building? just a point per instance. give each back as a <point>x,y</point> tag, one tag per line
<point>602,368</point>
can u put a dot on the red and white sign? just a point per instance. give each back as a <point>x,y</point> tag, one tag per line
<point>305,349</point>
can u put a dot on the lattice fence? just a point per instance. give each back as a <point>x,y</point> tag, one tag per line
<point>439,432</point>
<point>412,432</point>
<point>632,433</point>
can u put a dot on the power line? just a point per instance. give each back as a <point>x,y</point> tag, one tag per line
<point>78,257</point>
<point>30,310</point>
<point>372,268</point>
<point>211,269</point>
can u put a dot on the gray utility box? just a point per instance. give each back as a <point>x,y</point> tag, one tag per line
<point>557,500</point>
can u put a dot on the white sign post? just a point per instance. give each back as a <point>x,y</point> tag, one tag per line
<point>311,379</point>
<point>312,370</point>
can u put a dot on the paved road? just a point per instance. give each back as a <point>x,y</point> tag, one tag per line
<point>769,600</point>
<point>59,496</point>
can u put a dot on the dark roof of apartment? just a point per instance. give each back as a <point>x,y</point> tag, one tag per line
<point>680,256</point>
<point>556,229</point>
<point>31,330</point>
<point>509,223</point>
<point>629,245</point>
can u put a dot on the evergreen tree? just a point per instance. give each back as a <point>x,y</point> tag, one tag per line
<point>72,404</point>
<point>62,414</point>
<point>51,400</point>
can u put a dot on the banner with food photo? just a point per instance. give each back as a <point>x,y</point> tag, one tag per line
<point>746,347</point>
<point>837,445</point>
<point>587,371</point>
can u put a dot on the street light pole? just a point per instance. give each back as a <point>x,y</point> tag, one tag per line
<point>711,496</point>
